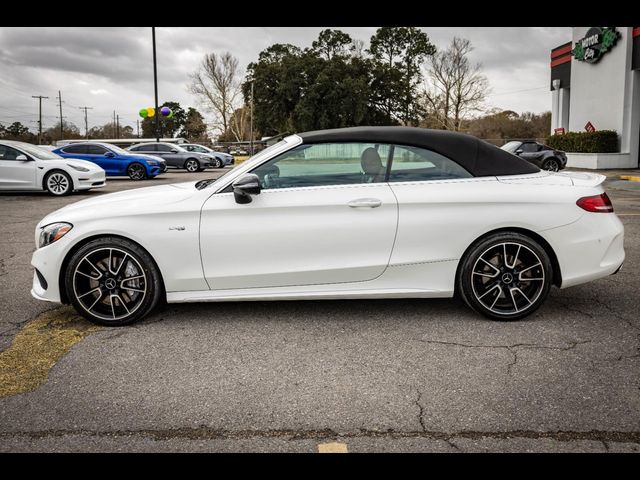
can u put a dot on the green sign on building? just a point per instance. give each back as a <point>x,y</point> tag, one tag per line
<point>597,42</point>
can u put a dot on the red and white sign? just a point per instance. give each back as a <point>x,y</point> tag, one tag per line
<point>558,131</point>
<point>589,127</point>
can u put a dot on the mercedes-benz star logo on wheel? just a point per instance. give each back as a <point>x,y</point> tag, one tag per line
<point>507,278</point>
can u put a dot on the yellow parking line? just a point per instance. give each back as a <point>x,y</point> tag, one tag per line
<point>631,178</point>
<point>332,447</point>
<point>25,364</point>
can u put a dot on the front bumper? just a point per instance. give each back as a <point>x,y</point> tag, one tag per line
<point>48,262</point>
<point>93,180</point>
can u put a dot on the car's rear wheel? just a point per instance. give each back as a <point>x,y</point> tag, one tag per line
<point>551,165</point>
<point>192,165</point>
<point>112,281</point>
<point>136,171</point>
<point>58,183</point>
<point>505,276</point>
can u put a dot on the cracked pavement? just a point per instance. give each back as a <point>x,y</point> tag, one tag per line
<point>379,375</point>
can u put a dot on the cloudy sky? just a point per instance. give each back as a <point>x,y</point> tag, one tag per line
<point>111,68</point>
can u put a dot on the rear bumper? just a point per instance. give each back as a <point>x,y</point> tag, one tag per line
<point>588,249</point>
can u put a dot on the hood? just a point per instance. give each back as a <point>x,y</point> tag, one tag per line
<point>77,162</point>
<point>138,200</point>
<point>140,156</point>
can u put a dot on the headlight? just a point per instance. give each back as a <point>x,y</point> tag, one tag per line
<point>78,168</point>
<point>152,162</point>
<point>53,233</point>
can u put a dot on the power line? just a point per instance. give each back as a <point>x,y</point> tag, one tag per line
<point>39,97</point>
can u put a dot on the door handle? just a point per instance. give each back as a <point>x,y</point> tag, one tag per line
<point>364,203</point>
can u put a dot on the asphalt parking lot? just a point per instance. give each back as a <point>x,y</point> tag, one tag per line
<point>359,375</point>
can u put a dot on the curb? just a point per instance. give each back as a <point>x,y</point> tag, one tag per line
<point>631,178</point>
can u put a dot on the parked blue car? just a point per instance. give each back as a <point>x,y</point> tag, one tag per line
<point>114,160</point>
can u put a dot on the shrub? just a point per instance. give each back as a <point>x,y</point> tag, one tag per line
<point>603,141</point>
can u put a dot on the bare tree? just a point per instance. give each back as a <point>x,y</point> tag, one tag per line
<point>217,84</point>
<point>456,87</point>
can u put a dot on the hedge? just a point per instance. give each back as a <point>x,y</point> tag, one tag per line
<point>602,141</point>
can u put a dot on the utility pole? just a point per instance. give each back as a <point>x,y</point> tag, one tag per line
<point>39,97</point>
<point>138,127</point>
<point>60,105</point>
<point>251,120</point>
<point>114,124</point>
<point>155,83</point>
<point>86,122</point>
<point>117,126</point>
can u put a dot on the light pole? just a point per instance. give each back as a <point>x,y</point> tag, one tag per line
<point>251,120</point>
<point>155,83</point>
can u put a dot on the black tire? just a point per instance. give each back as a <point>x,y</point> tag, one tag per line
<point>96,298</point>
<point>551,164</point>
<point>505,290</point>
<point>58,183</point>
<point>218,163</point>
<point>136,171</point>
<point>192,165</point>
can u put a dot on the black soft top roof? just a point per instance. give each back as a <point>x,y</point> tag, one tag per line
<point>477,156</point>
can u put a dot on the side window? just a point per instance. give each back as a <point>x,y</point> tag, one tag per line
<point>77,149</point>
<point>413,164</point>
<point>189,148</point>
<point>325,164</point>
<point>145,148</point>
<point>162,148</point>
<point>529,147</point>
<point>97,150</point>
<point>8,153</point>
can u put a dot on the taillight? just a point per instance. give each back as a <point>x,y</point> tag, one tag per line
<point>597,203</point>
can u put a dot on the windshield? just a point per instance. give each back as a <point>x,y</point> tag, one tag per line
<point>38,152</point>
<point>118,150</point>
<point>511,147</point>
<point>266,152</point>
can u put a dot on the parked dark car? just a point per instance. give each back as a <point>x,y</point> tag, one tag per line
<point>220,159</point>
<point>114,160</point>
<point>175,155</point>
<point>537,153</point>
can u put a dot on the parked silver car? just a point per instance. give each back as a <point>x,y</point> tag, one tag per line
<point>175,155</point>
<point>220,159</point>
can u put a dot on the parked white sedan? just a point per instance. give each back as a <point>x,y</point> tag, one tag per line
<point>368,212</point>
<point>27,167</point>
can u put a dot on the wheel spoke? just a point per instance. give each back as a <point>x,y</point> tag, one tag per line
<point>88,276</point>
<point>96,301</point>
<point>491,265</point>
<point>495,300</point>
<point>528,268</point>
<point>490,290</point>
<point>94,267</point>
<point>90,291</point>
<point>117,272</point>
<point>513,299</point>
<point>113,309</point>
<point>523,294</point>
<point>123,304</point>
<point>135,277</point>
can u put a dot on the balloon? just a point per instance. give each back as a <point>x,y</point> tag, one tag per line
<point>170,114</point>
<point>165,111</point>
<point>143,113</point>
<point>151,111</point>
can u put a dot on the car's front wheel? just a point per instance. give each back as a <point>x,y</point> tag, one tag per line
<point>112,281</point>
<point>191,166</point>
<point>136,171</point>
<point>58,183</point>
<point>505,276</point>
<point>551,165</point>
<point>219,163</point>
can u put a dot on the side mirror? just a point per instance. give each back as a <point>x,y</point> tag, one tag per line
<point>173,150</point>
<point>519,151</point>
<point>109,154</point>
<point>22,158</point>
<point>245,186</point>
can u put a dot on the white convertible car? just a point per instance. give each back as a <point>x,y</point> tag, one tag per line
<point>366,212</point>
<point>27,167</point>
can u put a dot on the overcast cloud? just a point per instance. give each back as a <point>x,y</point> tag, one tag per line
<point>111,68</point>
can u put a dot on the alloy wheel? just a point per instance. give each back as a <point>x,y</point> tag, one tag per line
<point>550,165</point>
<point>508,278</point>
<point>192,166</point>
<point>109,283</point>
<point>136,171</point>
<point>58,183</point>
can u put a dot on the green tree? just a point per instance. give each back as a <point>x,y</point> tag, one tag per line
<point>331,43</point>
<point>18,131</point>
<point>194,128</point>
<point>69,129</point>
<point>399,53</point>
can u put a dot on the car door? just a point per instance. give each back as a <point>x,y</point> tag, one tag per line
<point>530,151</point>
<point>96,154</point>
<point>318,220</point>
<point>171,154</point>
<point>16,174</point>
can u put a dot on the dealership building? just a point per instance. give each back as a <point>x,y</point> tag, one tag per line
<point>595,85</point>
